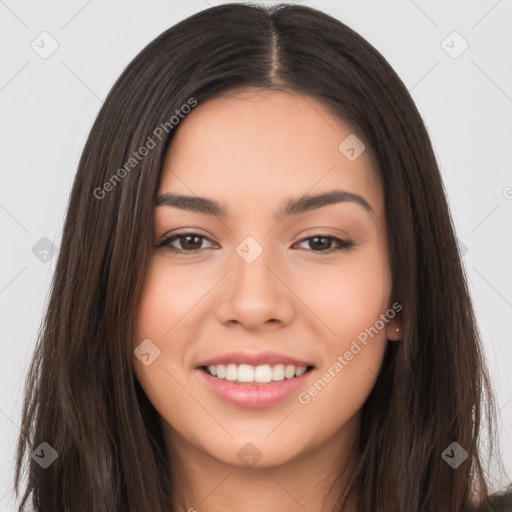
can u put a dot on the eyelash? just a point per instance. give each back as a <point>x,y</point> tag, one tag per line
<point>343,245</point>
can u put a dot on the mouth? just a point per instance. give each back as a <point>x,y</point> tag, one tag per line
<point>260,375</point>
<point>254,387</point>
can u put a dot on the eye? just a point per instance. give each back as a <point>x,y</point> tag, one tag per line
<point>191,243</point>
<point>320,242</point>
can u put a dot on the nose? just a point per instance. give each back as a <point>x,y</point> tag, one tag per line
<point>254,293</point>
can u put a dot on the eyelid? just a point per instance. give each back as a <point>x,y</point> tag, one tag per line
<point>167,238</point>
<point>341,244</point>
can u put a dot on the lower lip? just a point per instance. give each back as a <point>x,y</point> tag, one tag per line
<point>254,396</point>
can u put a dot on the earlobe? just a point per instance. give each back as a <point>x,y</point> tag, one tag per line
<point>394,332</point>
<point>394,328</point>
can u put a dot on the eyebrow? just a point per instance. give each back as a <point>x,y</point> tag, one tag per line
<point>291,207</point>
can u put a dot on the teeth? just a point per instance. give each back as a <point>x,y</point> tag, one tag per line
<point>300,370</point>
<point>231,372</point>
<point>260,374</point>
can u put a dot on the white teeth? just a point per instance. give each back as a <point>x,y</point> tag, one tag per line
<point>278,372</point>
<point>263,373</point>
<point>246,373</point>
<point>300,370</point>
<point>221,371</point>
<point>231,372</point>
<point>260,374</point>
<point>289,371</point>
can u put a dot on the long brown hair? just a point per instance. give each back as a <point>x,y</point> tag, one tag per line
<point>82,397</point>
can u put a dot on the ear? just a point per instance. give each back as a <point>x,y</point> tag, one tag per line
<point>394,329</point>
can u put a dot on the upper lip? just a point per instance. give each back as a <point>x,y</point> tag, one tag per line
<point>254,359</point>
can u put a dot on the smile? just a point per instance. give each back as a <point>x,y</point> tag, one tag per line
<point>253,394</point>
<point>262,374</point>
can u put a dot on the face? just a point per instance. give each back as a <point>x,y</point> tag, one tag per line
<point>261,289</point>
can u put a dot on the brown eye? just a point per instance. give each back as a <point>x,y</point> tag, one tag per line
<point>322,243</point>
<point>188,242</point>
<point>191,243</point>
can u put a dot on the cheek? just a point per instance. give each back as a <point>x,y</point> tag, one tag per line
<point>353,358</point>
<point>167,298</point>
<point>161,306</point>
<point>350,300</point>
<point>347,297</point>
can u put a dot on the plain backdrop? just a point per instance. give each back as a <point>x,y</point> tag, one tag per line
<point>49,102</point>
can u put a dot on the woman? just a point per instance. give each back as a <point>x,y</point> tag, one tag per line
<point>259,302</point>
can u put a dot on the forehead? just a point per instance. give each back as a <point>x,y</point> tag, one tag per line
<point>255,145</point>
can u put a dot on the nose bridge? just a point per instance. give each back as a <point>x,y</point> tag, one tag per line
<point>251,262</point>
<point>250,249</point>
<point>254,294</point>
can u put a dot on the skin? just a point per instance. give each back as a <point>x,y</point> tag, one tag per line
<point>251,152</point>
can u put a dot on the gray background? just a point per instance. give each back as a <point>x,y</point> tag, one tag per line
<point>47,107</point>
